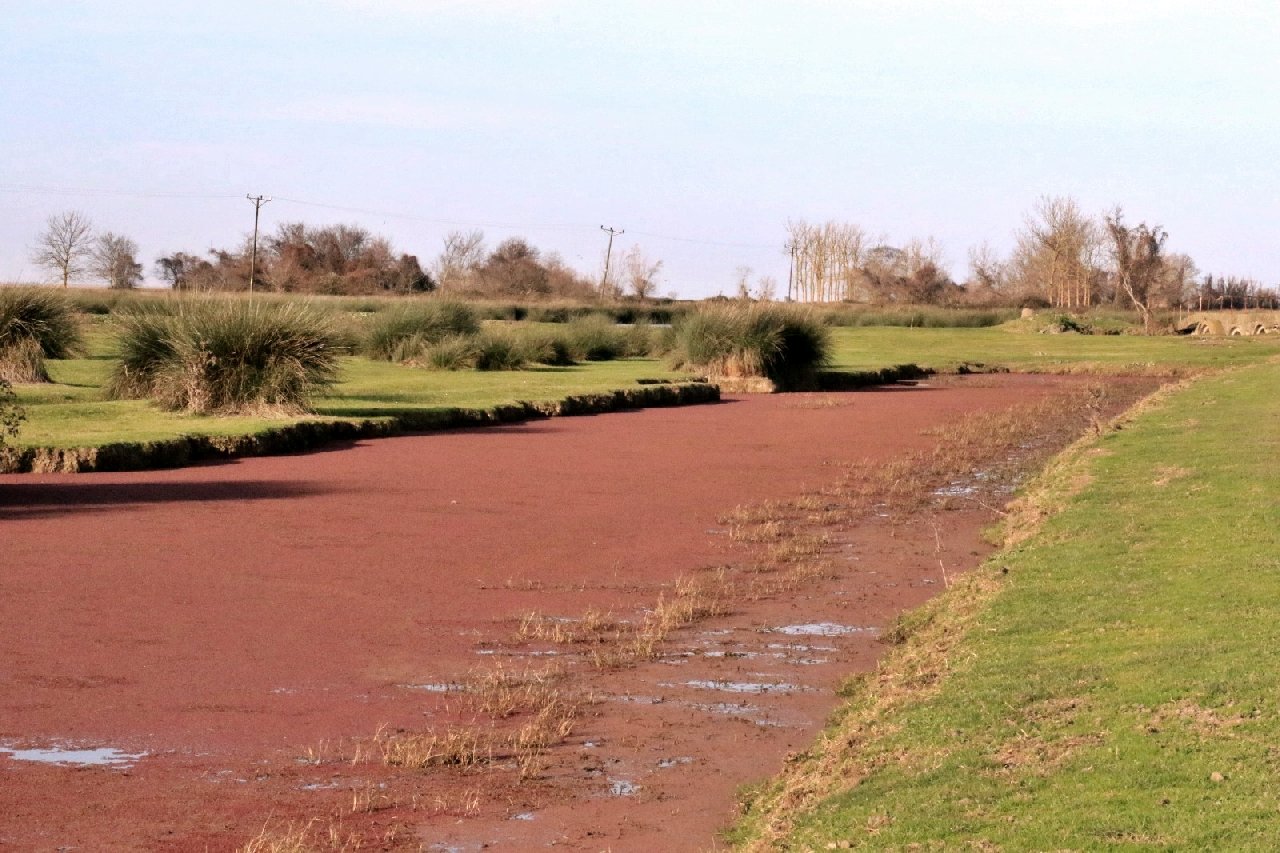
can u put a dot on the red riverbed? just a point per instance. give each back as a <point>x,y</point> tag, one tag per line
<point>220,620</point>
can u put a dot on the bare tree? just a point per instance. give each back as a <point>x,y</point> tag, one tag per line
<point>1057,252</point>
<point>1136,259</point>
<point>1178,280</point>
<point>64,246</point>
<point>640,274</point>
<point>766,288</point>
<point>829,261</point>
<point>115,259</point>
<point>462,256</point>
<point>987,271</point>
<point>742,282</point>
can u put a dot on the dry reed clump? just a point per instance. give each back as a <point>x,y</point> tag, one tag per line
<point>309,837</point>
<point>543,716</point>
<point>594,627</point>
<point>464,747</point>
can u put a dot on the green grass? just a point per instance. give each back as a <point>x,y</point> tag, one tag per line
<point>1116,689</point>
<point>1014,347</point>
<point>72,411</point>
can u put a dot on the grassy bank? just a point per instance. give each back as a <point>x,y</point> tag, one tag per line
<point>72,412</point>
<point>1016,347</point>
<point>1105,683</point>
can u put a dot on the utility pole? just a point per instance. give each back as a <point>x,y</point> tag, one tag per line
<point>604,281</point>
<point>790,248</point>
<point>258,202</point>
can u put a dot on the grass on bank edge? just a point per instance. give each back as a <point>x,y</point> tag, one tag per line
<point>1108,682</point>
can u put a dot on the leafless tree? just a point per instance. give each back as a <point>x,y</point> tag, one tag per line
<point>1056,258</point>
<point>1136,260</point>
<point>115,259</point>
<point>463,254</point>
<point>766,288</point>
<point>1178,280</point>
<point>640,273</point>
<point>65,245</point>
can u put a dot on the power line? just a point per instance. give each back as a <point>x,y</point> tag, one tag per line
<point>460,223</point>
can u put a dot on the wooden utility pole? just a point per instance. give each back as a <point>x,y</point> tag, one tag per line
<point>258,202</point>
<point>790,247</point>
<point>604,281</point>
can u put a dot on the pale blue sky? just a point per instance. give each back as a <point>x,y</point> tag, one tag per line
<point>712,122</point>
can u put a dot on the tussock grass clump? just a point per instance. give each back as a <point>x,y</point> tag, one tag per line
<point>226,357</point>
<point>596,339</point>
<point>406,332</point>
<point>35,324</point>
<point>785,345</point>
<point>497,349</point>
<point>456,352</point>
<point>546,346</point>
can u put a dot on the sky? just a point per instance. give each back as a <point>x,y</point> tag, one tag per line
<point>699,127</point>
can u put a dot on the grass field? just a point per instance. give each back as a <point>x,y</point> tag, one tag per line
<point>1015,346</point>
<point>1108,683</point>
<point>72,412</point>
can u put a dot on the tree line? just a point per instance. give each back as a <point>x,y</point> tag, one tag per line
<point>341,260</point>
<point>1062,258</point>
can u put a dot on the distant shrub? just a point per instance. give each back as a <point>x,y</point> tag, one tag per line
<point>226,357</point>
<point>35,324</point>
<point>404,332</point>
<point>786,345</point>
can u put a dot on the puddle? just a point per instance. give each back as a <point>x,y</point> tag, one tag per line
<point>801,648</point>
<point>740,686</point>
<point>103,756</point>
<point>673,762</point>
<point>622,788</point>
<point>522,816</point>
<point>955,490</point>
<point>818,629</point>
<point>321,786</point>
<point>727,708</point>
<point>434,687</point>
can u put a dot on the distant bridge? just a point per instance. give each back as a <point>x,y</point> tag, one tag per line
<point>1230,322</point>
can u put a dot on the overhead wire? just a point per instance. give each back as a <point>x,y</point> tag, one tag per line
<point>570,226</point>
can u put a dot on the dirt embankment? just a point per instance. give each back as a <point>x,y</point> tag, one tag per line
<point>280,642</point>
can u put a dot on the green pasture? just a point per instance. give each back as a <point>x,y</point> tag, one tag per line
<point>1018,346</point>
<point>73,412</point>
<point>1110,683</point>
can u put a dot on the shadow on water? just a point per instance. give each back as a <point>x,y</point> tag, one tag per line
<point>40,500</point>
